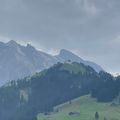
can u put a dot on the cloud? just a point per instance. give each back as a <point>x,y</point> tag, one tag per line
<point>89,7</point>
<point>116,40</point>
<point>85,26</point>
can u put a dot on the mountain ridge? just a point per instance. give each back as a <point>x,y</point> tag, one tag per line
<point>18,61</point>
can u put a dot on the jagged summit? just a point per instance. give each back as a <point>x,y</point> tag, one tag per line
<point>12,42</point>
<point>67,55</point>
<point>62,51</point>
<point>30,47</point>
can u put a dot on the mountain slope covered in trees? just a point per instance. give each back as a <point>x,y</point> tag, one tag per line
<point>24,99</point>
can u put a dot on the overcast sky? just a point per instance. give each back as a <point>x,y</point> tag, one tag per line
<point>90,28</point>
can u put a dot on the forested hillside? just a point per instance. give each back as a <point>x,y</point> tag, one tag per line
<point>24,99</point>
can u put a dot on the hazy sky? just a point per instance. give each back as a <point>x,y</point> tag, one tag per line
<point>90,28</point>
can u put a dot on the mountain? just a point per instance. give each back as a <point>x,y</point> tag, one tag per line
<point>17,61</point>
<point>67,55</point>
<point>63,82</point>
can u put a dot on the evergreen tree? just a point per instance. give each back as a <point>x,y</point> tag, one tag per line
<point>96,116</point>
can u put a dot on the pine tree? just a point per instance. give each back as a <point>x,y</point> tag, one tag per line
<point>96,116</point>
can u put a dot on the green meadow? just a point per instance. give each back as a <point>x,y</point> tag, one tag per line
<point>83,108</point>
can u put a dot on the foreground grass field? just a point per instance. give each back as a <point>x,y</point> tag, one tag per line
<point>83,108</point>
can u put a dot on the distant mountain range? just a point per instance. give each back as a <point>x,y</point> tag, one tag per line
<point>17,61</point>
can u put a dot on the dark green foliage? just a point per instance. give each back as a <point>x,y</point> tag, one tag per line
<point>107,88</point>
<point>24,99</point>
<point>96,116</point>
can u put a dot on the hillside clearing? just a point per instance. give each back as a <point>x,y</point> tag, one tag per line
<point>86,107</point>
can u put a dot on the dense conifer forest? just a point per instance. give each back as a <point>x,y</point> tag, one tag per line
<point>24,99</point>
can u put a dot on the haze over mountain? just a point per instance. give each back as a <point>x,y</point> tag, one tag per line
<point>18,61</point>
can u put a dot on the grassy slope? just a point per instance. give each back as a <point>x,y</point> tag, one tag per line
<point>87,108</point>
<point>74,67</point>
